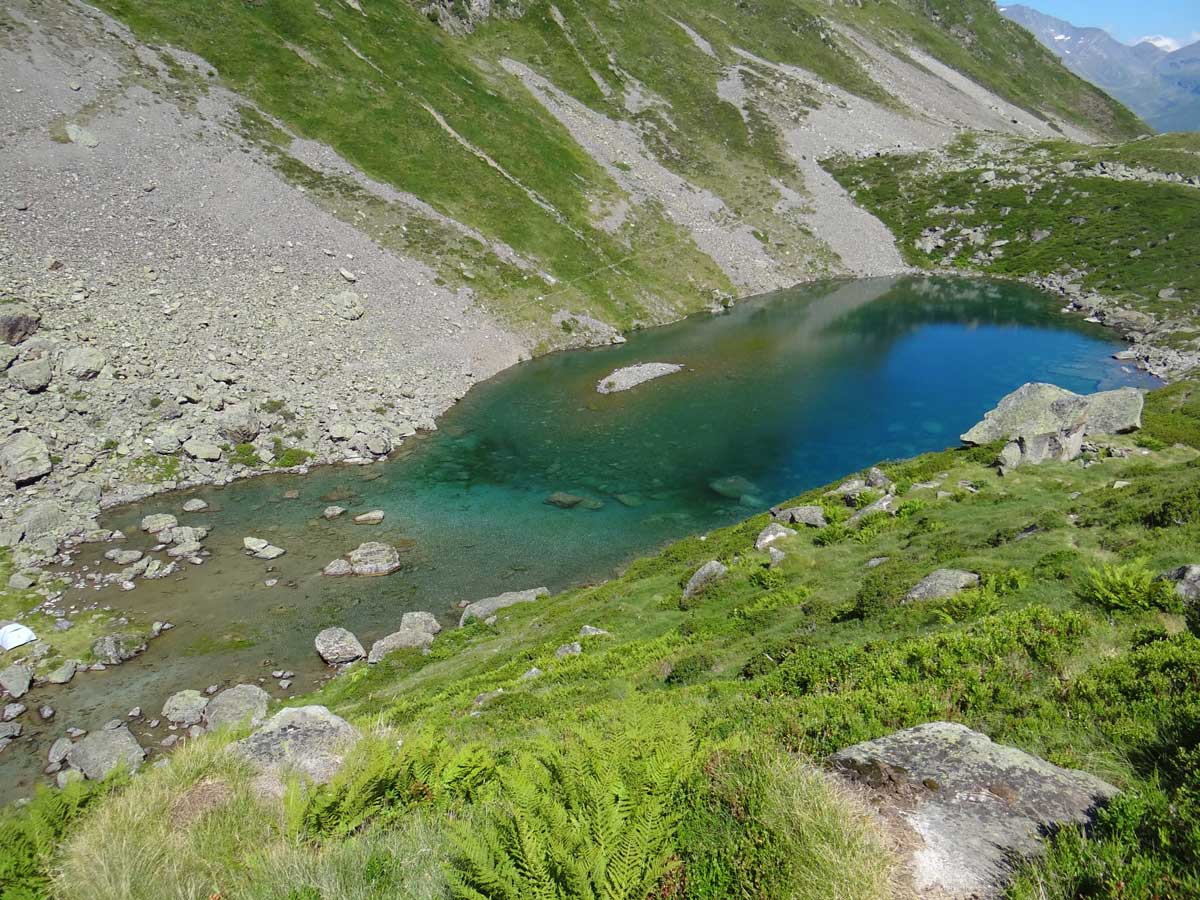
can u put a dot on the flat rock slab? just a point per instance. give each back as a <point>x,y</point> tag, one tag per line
<point>1037,408</point>
<point>973,804</point>
<point>481,609</point>
<point>101,752</point>
<point>309,740</point>
<point>940,584</point>
<point>631,376</point>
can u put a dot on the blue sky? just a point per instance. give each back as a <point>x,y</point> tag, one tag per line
<point>1129,20</point>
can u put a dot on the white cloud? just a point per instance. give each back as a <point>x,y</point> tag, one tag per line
<point>1161,41</point>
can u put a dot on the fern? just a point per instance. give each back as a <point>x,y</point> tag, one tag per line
<point>1128,586</point>
<point>588,821</point>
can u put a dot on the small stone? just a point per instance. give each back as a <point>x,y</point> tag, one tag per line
<point>572,649</point>
<point>591,631</point>
<point>46,713</point>
<point>348,275</point>
<point>332,512</point>
<point>374,517</point>
<point>338,568</point>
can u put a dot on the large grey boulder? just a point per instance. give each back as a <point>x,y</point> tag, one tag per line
<point>101,752</point>
<point>711,571</point>
<point>404,639</point>
<point>482,609</point>
<point>374,558</point>
<point>971,804</point>
<point>185,708</point>
<point>1186,580</point>
<point>83,363</point>
<point>1037,408</point>
<point>17,322</point>
<point>24,458</point>
<point>114,649</point>
<point>239,705</point>
<point>337,646</point>
<point>812,516</point>
<point>15,680</point>
<point>308,740</point>
<point>1054,446</point>
<point>32,376</point>
<point>940,584</point>
<point>631,376</point>
<point>239,423</point>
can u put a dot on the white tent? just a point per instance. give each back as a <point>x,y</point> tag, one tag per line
<point>14,635</point>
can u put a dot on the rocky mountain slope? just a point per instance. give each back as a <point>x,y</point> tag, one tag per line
<point>1161,86</point>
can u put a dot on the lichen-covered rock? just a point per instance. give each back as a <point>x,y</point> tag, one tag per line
<point>15,680</point>
<point>772,533</point>
<point>308,740</point>
<point>101,752</point>
<point>1038,409</point>
<point>114,649</point>
<point>708,573</point>
<point>337,646</point>
<point>940,584</point>
<point>420,621</point>
<point>481,609</point>
<point>239,705</point>
<point>157,522</point>
<point>973,805</point>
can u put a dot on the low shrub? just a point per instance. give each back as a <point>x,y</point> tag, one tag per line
<point>1124,587</point>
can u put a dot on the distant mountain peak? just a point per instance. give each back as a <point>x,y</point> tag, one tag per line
<point>1155,77</point>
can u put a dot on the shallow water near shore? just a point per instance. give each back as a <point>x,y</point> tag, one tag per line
<point>783,393</point>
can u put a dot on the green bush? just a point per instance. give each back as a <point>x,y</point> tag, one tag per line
<point>883,587</point>
<point>690,668</point>
<point>1127,587</point>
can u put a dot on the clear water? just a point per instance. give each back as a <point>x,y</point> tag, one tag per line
<point>782,393</point>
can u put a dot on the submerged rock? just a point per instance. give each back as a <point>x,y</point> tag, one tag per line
<point>374,558</point>
<point>631,376</point>
<point>481,609</point>
<point>1038,409</point>
<point>973,805</point>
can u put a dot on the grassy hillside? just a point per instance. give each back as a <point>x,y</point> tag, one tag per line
<point>1042,209</point>
<point>709,712</point>
<point>438,116</point>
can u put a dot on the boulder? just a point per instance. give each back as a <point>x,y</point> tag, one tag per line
<point>197,448</point>
<point>83,363</point>
<point>238,705</point>
<point>374,517</point>
<point>17,322</point>
<point>101,752</point>
<point>1186,580</point>
<point>15,680</point>
<point>195,505</point>
<point>64,673</point>
<point>1038,408</point>
<point>772,533</point>
<point>631,376</point>
<point>337,646</point>
<point>332,512</point>
<point>308,740</point>
<point>420,621</point>
<point>404,639</point>
<point>482,609</point>
<point>708,573</point>
<point>239,423</point>
<point>185,708</point>
<point>157,522</point>
<point>374,558</point>
<point>812,516</point>
<point>24,458</point>
<point>33,376</point>
<point>940,584</point>
<point>971,805</point>
<point>1056,446</point>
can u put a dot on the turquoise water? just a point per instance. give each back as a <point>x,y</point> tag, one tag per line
<point>780,394</point>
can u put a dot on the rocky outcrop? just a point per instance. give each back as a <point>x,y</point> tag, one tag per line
<point>941,584</point>
<point>631,376</point>
<point>1040,409</point>
<point>971,805</point>
<point>489,606</point>
<point>308,740</point>
<point>704,577</point>
<point>812,516</point>
<point>338,646</point>
<point>102,752</point>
